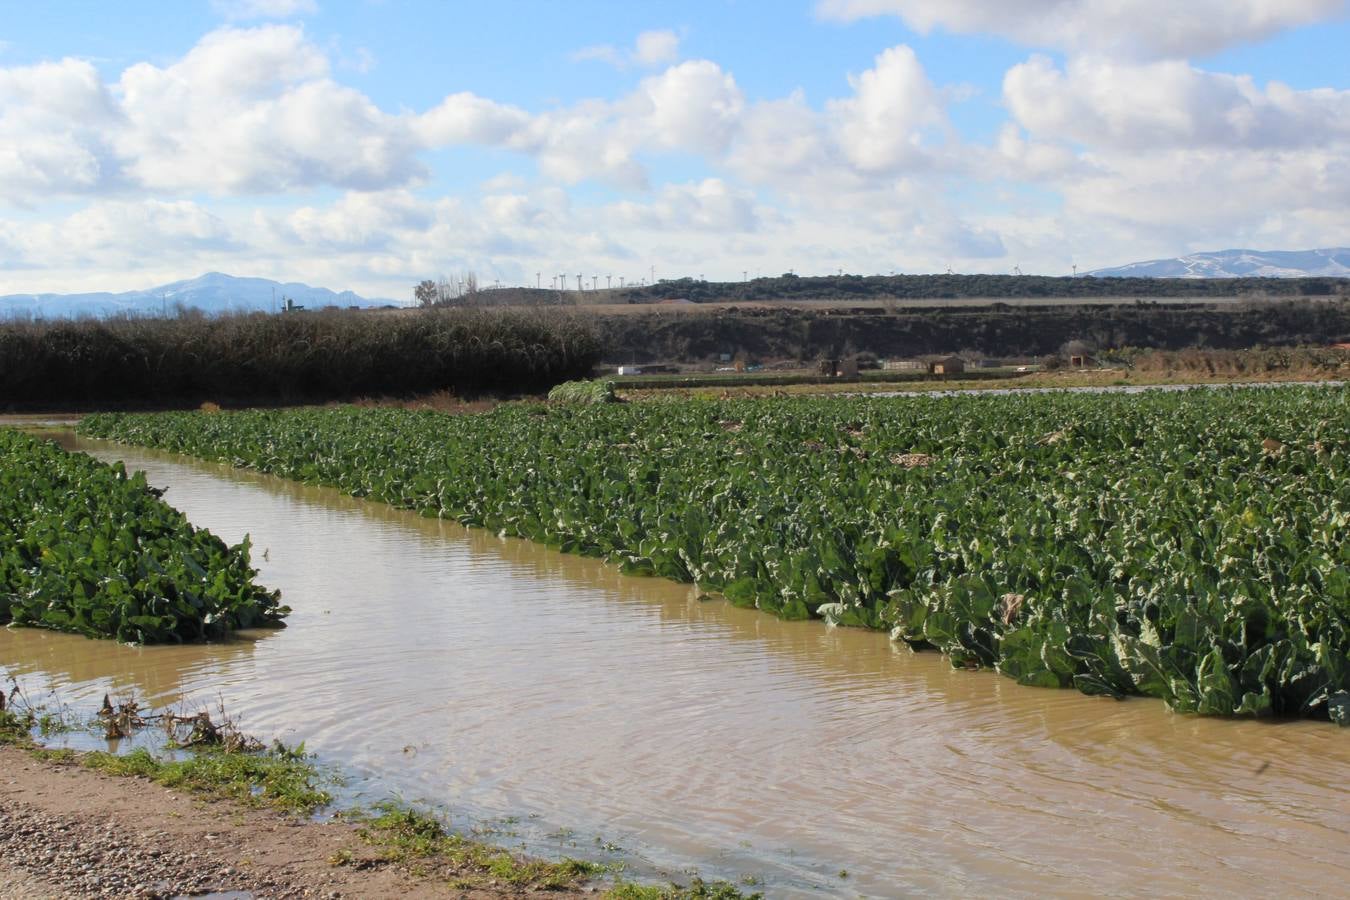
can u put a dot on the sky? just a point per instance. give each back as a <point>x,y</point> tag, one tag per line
<point>368,144</point>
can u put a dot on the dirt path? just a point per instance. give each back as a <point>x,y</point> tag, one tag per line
<point>66,831</point>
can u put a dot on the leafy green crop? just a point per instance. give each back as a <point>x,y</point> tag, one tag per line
<point>86,548</point>
<point>1189,546</point>
<point>584,392</point>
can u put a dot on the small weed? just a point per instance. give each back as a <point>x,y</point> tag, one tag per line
<point>410,836</point>
<point>16,728</point>
<point>255,779</point>
<point>698,889</point>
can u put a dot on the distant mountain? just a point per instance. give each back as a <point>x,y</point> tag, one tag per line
<point>211,293</point>
<point>1334,263</point>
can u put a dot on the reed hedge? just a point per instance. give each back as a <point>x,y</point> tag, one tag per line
<point>292,358</point>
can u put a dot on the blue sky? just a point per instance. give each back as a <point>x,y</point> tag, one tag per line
<point>370,143</point>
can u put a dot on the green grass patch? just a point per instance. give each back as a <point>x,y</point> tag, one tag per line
<point>16,729</point>
<point>698,889</point>
<point>408,835</point>
<point>288,782</point>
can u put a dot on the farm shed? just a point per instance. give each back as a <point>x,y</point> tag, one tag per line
<point>947,365</point>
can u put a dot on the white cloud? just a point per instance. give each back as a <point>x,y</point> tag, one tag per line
<point>253,111</point>
<point>883,126</point>
<point>1138,106</point>
<point>656,48</point>
<point>710,205</point>
<point>466,118</point>
<point>245,111</point>
<point>649,50</point>
<point>1174,158</point>
<point>241,10</point>
<point>366,221</point>
<point>1140,28</point>
<point>53,122</point>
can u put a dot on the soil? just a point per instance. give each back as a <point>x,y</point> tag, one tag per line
<point>66,831</point>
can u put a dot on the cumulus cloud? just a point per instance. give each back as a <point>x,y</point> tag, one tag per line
<point>883,126</point>
<point>1135,106</point>
<point>893,124</point>
<point>245,111</point>
<point>1140,28</point>
<point>253,110</point>
<point>53,121</point>
<point>710,205</point>
<point>1189,158</point>
<point>695,106</point>
<point>649,50</point>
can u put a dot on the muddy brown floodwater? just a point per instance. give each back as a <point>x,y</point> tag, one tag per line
<point>590,713</point>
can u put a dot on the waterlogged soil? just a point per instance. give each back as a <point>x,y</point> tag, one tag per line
<point>564,709</point>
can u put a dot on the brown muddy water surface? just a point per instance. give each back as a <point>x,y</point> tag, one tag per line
<point>579,711</point>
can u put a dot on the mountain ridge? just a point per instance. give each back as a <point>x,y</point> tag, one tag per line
<point>1331,262</point>
<point>212,293</point>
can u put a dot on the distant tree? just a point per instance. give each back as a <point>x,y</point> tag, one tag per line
<point>425,293</point>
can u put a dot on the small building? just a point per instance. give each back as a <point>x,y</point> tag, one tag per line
<point>947,365</point>
<point>839,368</point>
<point>903,365</point>
<point>630,370</point>
<point>1081,361</point>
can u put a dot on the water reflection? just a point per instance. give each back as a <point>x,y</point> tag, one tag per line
<point>497,678</point>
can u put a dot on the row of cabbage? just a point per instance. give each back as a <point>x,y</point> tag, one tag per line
<point>1190,546</point>
<point>86,548</point>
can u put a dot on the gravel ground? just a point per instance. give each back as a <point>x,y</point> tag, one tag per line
<point>66,831</point>
<point>58,856</point>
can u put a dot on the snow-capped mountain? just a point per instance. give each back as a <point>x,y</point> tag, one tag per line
<point>1334,262</point>
<point>213,292</point>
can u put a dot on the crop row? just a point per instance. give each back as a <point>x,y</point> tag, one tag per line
<point>1189,546</point>
<point>86,548</point>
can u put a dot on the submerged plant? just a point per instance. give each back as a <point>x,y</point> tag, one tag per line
<point>85,547</point>
<point>1151,544</point>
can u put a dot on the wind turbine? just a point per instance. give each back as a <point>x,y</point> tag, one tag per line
<point>580,286</point>
<point>538,280</point>
<point>607,281</point>
<point>1017,270</point>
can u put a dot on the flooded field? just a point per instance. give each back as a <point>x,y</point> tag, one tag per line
<point>584,712</point>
